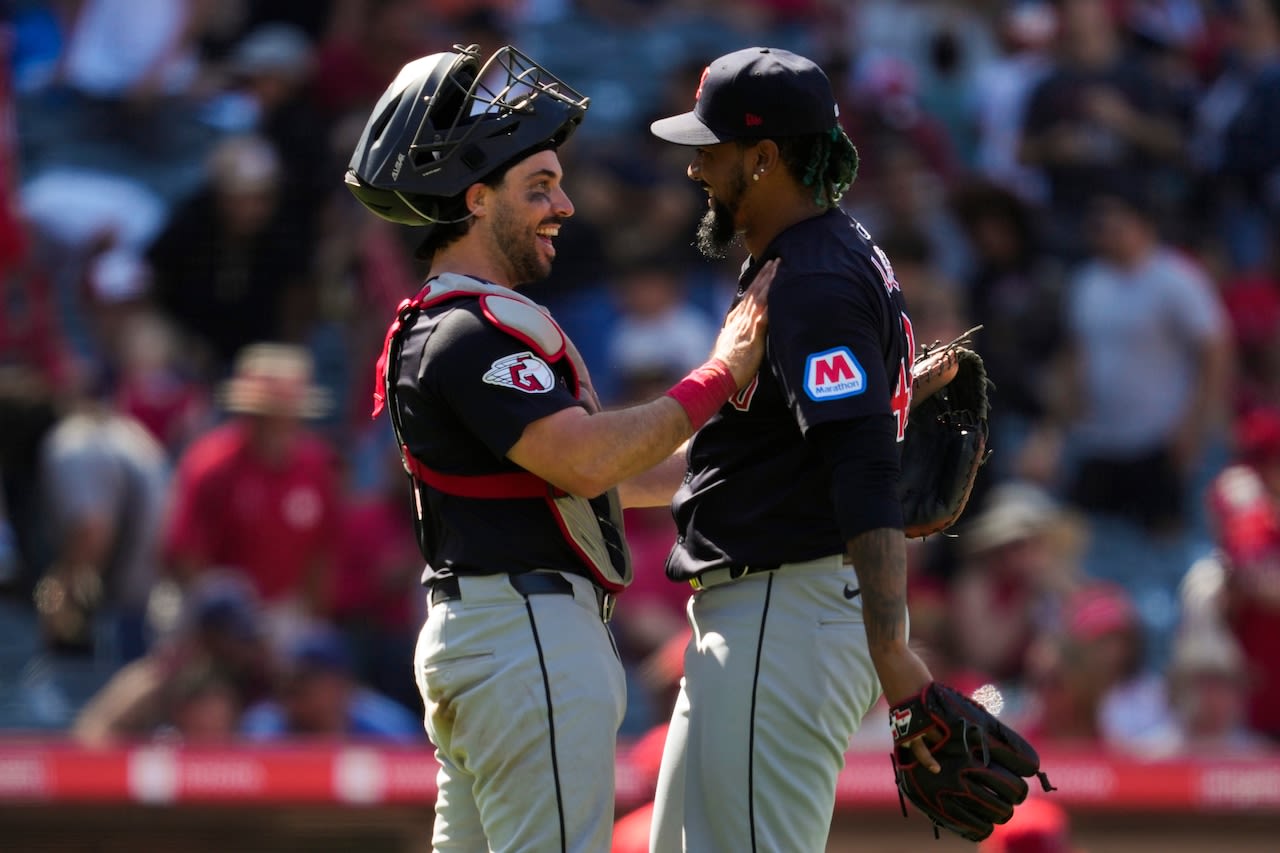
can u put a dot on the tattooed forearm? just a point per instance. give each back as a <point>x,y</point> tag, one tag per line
<point>880,559</point>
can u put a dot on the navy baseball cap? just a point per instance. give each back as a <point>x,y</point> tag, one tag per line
<point>755,93</point>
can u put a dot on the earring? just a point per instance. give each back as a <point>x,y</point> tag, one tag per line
<point>755,176</point>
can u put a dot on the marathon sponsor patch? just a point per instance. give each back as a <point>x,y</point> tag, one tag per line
<point>523,371</point>
<point>833,374</point>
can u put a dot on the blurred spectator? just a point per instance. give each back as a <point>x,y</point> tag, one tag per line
<point>154,386</point>
<point>1015,292</point>
<point>265,68</point>
<point>912,32</point>
<point>1209,694</point>
<point>378,599</point>
<point>1020,566</point>
<point>1134,713</point>
<point>259,495</point>
<point>904,195</point>
<point>1251,140</point>
<point>319,697</point>
<point>31,326</point>
<point>120,108</point>
<point>217,640</point>
<point>139,360</point>
<point>31,333</point>
<point>132,52</point>
<point>656,329</point>
<point>229,267</point>
<point>1025,32</point>
<point>1245,506</point>
<point>84,490</point>
<point>1253,304</point>
<point>883,116</point>
<point>1038,826</point>
<point>104,483</point>
<point>937,305</point>
<point>1151,366</point>
<point>1090,687</point>
<point>269,90</point>
<point>366,45</point>
<point>312,17</point>
<point>955,51</point>
<point>204,708</point>
<point>1097,119</point>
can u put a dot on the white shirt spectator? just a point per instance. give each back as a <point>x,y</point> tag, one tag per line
<point>1139,333</point>
<point>115,44</point>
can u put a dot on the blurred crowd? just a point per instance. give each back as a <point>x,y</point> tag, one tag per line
<point>204,536</point>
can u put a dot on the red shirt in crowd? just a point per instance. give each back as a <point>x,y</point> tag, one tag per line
<point>379,565</point>
<point>234,510</point>
<point>1248,521</point>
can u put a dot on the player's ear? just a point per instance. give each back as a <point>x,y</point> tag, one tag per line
<point>477,199</point>
<point>764,157</point>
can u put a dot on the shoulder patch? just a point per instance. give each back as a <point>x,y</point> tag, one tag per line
<point>833,374</point>
<point>522,371</point>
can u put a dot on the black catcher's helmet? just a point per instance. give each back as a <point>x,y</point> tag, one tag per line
<point>447,122</point>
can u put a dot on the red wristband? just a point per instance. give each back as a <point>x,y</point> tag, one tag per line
<point>704,391</point>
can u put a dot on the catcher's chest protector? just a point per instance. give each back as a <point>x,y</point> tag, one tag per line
<point>593,528</point>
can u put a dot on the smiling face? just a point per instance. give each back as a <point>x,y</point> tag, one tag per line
<point>721,170</point>
<point>527,209</point>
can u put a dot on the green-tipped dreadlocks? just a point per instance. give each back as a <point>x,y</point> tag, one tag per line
<point>828,162</point>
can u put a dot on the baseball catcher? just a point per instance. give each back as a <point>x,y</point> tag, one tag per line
<point>946,438</point>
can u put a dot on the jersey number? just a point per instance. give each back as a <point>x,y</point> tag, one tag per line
<point>901,400</point>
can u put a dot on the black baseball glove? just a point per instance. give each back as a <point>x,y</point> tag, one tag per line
<point>946,438</point>
<point>983,762</point>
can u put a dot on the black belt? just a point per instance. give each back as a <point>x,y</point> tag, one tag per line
<point>715,577</point>
<point>725,574</point>
<point>527,583</point>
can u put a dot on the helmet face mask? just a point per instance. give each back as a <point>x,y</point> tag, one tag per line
<point>447,122</point>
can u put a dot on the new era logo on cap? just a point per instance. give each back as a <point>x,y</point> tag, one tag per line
<point>752,94</point>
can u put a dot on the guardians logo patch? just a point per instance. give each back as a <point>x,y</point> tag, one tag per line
<point>523,371</point>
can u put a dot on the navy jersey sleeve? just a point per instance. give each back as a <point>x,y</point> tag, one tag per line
<point>824,348</point>
<point>495,384</point>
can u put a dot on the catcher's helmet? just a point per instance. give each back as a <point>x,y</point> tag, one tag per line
<point>447,122</point>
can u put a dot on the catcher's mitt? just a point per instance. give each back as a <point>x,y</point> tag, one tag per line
<point>983,762</point>
<point>946,437</point>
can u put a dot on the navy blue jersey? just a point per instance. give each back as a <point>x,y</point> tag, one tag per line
<point>465,391</point>
<point>839,347</point>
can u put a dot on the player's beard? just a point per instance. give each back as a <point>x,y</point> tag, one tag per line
<point>519,249</point>
<point>716,231</point>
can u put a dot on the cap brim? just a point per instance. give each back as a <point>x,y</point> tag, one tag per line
<point>685,129</point>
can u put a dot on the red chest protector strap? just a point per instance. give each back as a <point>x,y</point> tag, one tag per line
<point>516,484</point>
